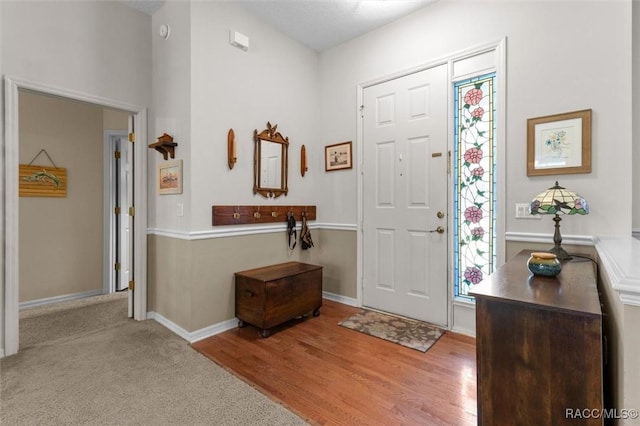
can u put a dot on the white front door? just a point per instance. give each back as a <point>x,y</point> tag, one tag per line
<point>405,196</point>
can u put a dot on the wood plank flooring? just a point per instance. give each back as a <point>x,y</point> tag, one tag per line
<point>330,375</point>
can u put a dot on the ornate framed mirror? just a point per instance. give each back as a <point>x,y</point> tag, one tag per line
<point>270,162</point>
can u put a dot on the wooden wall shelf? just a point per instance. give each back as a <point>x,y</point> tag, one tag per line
<point>165,146</point>
<point>243,215</point>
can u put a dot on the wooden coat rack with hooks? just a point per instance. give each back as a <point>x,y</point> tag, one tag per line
<point>244,215</point>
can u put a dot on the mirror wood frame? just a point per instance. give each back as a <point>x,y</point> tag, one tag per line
<point>270,134</point>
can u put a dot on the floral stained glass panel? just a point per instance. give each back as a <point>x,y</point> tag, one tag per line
<point>474,167</point>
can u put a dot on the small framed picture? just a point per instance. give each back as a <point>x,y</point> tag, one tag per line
<point>338,156</point>
<point>170,177</point>
<point>559,144</point>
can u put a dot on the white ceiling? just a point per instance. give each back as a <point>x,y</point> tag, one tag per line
<point>318,24</point>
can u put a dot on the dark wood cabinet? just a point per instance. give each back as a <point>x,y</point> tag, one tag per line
<point>539,346</point>
<point>269,296</point>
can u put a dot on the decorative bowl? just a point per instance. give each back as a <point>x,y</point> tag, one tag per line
<point>544,264</point>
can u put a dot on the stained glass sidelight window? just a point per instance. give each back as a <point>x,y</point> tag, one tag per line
<point>474,168</point>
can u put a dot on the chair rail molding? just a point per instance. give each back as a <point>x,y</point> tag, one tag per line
<point>619,260</point>
<point>528,237</point>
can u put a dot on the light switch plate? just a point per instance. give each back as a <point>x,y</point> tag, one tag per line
<point>523,212</point>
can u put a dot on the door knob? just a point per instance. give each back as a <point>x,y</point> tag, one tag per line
<point>440,214</point>
<point>439,230</point>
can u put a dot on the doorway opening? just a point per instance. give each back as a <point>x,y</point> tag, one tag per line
<point>137,183</point>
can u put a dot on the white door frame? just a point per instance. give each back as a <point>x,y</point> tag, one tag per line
<point>11,213</point>
<point>499,46</point>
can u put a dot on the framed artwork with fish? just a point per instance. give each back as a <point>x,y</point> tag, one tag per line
<point>42,181</point>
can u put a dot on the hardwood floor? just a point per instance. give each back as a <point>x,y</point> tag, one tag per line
<point>330,375</point>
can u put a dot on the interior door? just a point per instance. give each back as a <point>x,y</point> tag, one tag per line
<point>405,196</point>
<point>124,236</point>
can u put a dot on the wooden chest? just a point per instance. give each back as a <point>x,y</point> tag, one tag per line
<point>271,295</point>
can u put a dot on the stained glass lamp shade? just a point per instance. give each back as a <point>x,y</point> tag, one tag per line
<point>556,201</point>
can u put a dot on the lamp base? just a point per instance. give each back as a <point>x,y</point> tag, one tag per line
<point>560,253</point>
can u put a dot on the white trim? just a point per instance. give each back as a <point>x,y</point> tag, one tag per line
<point>224,232</point>
<point>501,183</point>
<point>464,314</point>
<point>230,324</point>
<point>499,46</point>
<point>527,237</point>
<point>619,260</point>
<point>341,299</point>
<point>212,330</point>
<point>337,226</point>
<point>11,225</point>
<point>197,335</point>
<point>59,299</point>
<point>11,283</point>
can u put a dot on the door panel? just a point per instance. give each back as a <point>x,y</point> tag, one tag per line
<point>405,186</point>
<point>124,236</point>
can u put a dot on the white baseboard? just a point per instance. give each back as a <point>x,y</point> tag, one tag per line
<point>212,330</point>
<point>58,299</point>
<point>193,336</point>
<point>340,299</point>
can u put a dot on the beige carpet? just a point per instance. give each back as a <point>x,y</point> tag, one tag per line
<point>407,332</point>
<point>85,363</point>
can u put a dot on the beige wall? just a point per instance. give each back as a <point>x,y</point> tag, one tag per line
<point>61,241</point>
<point>192,281</point>
<point>115,120</point>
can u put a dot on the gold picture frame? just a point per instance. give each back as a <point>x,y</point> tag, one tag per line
<point>338,156</point>
<point>559,144</point>
<point>169,180</point>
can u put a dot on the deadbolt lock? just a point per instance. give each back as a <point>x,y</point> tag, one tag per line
<point>440,214</point>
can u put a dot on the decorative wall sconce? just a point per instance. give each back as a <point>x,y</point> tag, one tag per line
<point>231,149</point>
<point>303,160</point>
<point>165,146</point>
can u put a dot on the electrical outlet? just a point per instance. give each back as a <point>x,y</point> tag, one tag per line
<point>523,212</point>
<point>180,209</point>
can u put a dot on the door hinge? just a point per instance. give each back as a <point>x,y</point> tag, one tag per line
<point>116,154</point>
<point>116,210</point>
<point>117,266</point>
<point>449,162</point>
<point>132,137</point>
<point>132,211</point>
<point>132,285</point>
